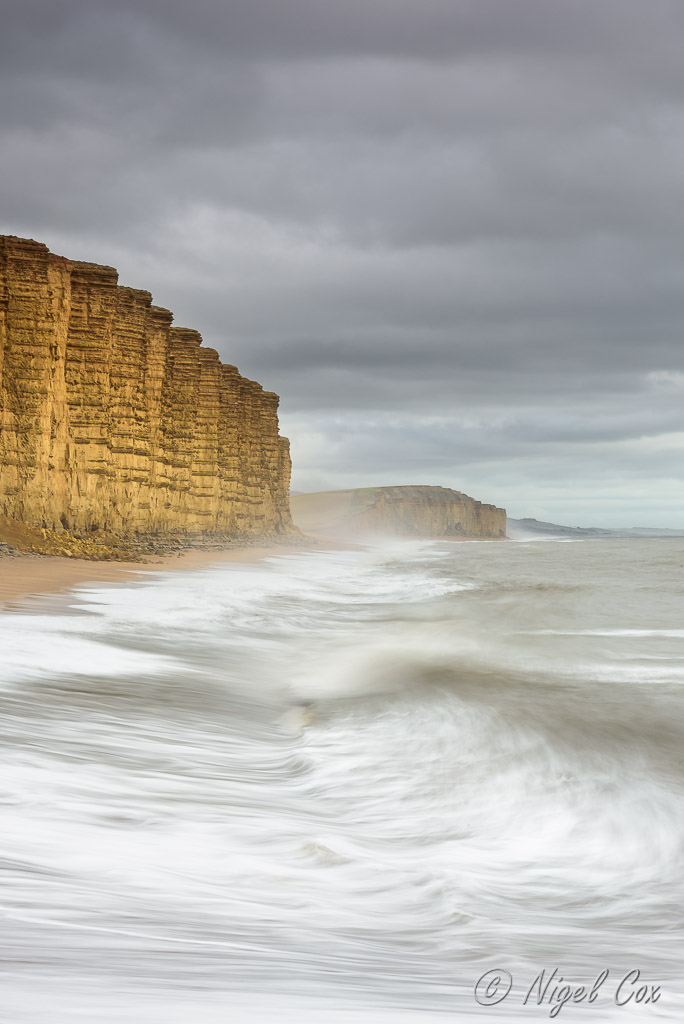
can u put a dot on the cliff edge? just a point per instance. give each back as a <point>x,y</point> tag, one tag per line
<point>115,424</point>
<point>410,511</point>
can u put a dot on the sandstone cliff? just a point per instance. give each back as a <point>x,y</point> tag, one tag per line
<point>114,422</point>
<point>411,511</point>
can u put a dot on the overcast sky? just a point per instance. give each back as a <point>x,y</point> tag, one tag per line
<point>449,233</point>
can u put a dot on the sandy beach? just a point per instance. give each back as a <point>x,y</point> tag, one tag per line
<point>29,575</point>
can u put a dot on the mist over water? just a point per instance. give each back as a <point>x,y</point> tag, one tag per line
<point>344,785</point>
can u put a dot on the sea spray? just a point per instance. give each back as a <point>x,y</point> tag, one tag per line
<point>346,784</point>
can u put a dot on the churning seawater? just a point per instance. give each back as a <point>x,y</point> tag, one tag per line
<point>344,785</point>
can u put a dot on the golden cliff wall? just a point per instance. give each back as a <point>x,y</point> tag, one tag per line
<point>113,420</point>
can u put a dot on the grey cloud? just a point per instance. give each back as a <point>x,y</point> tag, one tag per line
<point>390,211</point>
<point>436,29</point>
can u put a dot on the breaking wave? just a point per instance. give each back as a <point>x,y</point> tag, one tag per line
<point>345,784</point>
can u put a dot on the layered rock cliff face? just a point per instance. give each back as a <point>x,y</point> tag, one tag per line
<point>411,511</point>
<point>113,420</point>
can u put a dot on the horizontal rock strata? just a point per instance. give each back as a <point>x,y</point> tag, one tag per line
<point>410,511</point>
<point>113,420</point>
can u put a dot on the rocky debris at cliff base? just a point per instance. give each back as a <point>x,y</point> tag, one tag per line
<point>19,539</point>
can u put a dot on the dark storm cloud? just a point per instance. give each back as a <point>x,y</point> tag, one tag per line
<point>441,229</point>
<point>268,28</point>
<point>427,30</point>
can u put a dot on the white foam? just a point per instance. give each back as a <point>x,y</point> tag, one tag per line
<point>351,775</point>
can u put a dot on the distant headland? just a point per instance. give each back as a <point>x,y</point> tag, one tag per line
<point>409,511</point>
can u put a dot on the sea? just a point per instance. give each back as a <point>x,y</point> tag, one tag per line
<point>414,782</point>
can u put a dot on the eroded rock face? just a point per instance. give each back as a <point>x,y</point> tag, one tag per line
<point>423,511</point>
<point>410,511</point>
<point>113,420</point>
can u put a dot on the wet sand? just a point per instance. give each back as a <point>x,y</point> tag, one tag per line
<point>25,576</point>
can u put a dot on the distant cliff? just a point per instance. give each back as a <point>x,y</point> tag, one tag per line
<point>535,529</point>
<point>411,511</point>
<point>113,420</point>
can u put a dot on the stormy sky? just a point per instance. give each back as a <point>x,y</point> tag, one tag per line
<point>449,233</point>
